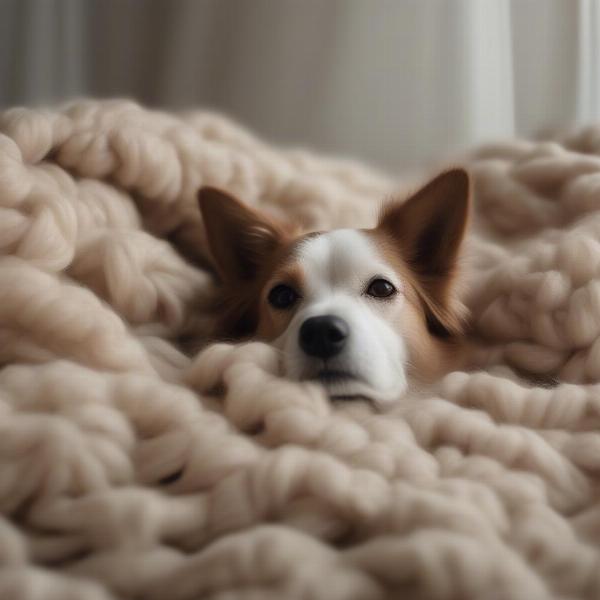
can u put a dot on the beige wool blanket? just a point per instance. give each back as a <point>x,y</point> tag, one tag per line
<point>132,466</point>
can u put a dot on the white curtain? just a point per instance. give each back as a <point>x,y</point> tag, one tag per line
<point>395,82</point>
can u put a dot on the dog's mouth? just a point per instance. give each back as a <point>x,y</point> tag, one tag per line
<point>347,382</point>
<point>343,385</point>
<point>334,376</point>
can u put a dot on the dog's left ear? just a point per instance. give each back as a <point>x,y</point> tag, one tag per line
<point>429,228</point>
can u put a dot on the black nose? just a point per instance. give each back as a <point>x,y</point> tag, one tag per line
<point>323,336</point>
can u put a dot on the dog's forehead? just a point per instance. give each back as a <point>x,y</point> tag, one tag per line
<point>338,257</point>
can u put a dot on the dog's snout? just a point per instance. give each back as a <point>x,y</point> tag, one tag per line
<point>323,336</point>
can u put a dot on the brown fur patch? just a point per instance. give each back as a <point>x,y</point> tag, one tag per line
<point>272,322</point>
<point>430,355</point>
<point>243,309</point>
<point>427,231</point>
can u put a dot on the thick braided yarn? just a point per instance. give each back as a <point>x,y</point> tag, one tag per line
<point>132,468</point>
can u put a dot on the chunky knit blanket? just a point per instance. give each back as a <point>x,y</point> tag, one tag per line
<point>134,466</point>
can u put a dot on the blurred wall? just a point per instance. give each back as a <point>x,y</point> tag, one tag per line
<point>395,82</point>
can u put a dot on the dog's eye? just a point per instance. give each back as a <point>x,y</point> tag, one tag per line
<point>282,296</point>
<point>380,288</point>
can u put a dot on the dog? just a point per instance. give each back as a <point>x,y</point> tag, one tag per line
<point>362,311</point>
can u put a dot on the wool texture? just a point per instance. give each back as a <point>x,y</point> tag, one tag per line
<point>134,467</point>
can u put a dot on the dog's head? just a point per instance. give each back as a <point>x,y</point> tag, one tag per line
<point>358,310</point>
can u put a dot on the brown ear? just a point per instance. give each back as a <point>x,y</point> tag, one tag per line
<point>429,228</point>
<point>239,237</point>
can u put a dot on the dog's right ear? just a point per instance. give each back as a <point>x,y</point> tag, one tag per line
<point>429,229</point>
<point>240,238</point>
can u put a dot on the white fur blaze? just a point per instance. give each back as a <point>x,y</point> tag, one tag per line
<point>338,267</point>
